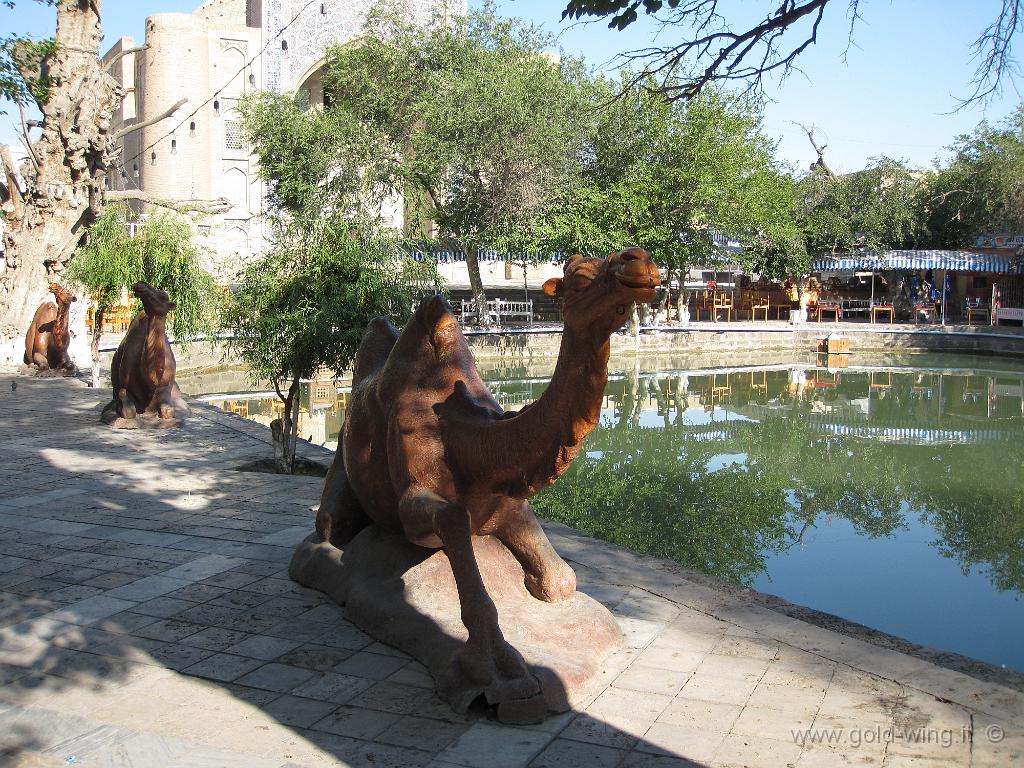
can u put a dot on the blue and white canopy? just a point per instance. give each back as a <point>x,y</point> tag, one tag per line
<point>954,261</point>
<point>451,256</point>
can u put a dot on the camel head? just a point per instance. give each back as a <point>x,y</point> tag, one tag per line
<point>598,294</point>
<point>62,294</point>
<point>154,301</point>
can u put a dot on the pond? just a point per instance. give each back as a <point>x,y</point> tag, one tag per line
<point>889,492</point>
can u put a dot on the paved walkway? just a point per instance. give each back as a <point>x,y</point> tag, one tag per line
<point>147,620</point>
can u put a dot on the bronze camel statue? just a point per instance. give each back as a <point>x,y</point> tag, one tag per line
<point>48,337</point>
<point>427,452</point>
<point>142,372</point>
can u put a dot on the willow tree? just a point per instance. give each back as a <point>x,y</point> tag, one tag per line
<point>52,199</point>
<point>475,121</point>
<point>160,253</point>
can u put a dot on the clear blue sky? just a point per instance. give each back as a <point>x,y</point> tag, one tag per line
<point>892,94</point>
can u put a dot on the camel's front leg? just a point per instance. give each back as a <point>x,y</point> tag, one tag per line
<point>162,404</point>
<point>548,576</point>
<point>487,660</point>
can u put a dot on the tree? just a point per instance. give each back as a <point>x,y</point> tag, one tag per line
<point>877,208</point>
<point>475,123</point>
<point>305,303</point>
<point>715,41</point>
<point>982,188</point>
<point>50,202</point>
<point>674,177</point>
<point>160,253</point>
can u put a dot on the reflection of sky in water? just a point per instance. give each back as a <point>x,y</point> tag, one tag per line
<point>899,581</point>
<point>900,585</point>
<point>723,460</point>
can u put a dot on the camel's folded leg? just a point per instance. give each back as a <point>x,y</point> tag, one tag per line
<point>548,576</point>
<point>487,659</point>
<point>39,361</point>
<point>127,404</point>
<point>340,516</point>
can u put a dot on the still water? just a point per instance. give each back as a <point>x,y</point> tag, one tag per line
<point>886,491</point>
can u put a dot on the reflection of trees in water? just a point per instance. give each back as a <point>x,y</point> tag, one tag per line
<point>651,489</point>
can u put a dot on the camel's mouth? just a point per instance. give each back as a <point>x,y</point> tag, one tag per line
<point>637,280</point>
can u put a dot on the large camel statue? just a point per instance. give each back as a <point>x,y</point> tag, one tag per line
<point>48,337</point>
<point>142,372</point>
<point>428,453</point>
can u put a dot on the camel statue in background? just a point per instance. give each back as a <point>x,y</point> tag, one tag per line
<point>48,337</point>
<point>142,372</point>
<point>427,452</point>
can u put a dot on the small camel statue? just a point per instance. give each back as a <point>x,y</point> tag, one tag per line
<point>427,452</point>
<point>142,372</point>
<point>48,337</point>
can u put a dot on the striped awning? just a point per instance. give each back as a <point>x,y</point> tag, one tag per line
<point>452,256</point>
<point>954,261</point>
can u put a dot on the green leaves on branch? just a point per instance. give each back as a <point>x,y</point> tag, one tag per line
<point>161,253</point>
<point>877,208</point>
<point>474,120</point>
<point>670,175</point>
<point>305,304</point>
<point>22,69</point>
<point>981,191</point>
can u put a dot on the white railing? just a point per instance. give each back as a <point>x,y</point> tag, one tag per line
<point>499,310</point>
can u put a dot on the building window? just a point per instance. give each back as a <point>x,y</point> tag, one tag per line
<point>233,135</point>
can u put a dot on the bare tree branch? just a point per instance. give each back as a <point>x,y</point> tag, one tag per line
<point>713,50</point>
<point>25,137</point>
<point>14,197</point>
<point>993,52</point>
<point>820,163</point>
<point>121,54</point>
<point>220,205</point>
<point>162,116</point>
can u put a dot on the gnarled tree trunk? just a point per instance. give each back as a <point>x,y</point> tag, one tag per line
<point>64,175</point>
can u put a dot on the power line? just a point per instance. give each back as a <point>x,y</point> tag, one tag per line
<point>216,93</point>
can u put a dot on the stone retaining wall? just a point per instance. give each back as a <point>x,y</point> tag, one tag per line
<point>515,348</point>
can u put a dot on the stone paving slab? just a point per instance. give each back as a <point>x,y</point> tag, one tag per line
<point>146,619</point>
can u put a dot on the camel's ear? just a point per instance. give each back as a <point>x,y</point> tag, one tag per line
<point>553,287</point>
<point>171,306</point>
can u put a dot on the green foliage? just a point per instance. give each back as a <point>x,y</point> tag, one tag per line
<point>22,71</point>
<point>623,12</point>
<point>306,302</point>
<point>22,74</point>
<point>982,188</point>
<point>877,208</point>
<point>669,176</point>
<point>475,121</point>
<point>162,254</point>
<point>313,160</point>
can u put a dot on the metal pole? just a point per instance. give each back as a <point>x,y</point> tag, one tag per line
<point>944,274</point>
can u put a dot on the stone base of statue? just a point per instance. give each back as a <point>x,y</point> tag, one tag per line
<point>145,420</point>
<point>405,596</point>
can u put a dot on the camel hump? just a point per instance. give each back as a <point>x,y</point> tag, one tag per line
<point>378,339</point>
<point>436,316</point>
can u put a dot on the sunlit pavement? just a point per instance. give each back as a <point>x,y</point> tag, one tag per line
<point>147,620</point>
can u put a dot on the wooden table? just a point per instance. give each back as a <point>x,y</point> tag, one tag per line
<point>833,308</point>
<point>877,309</point>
